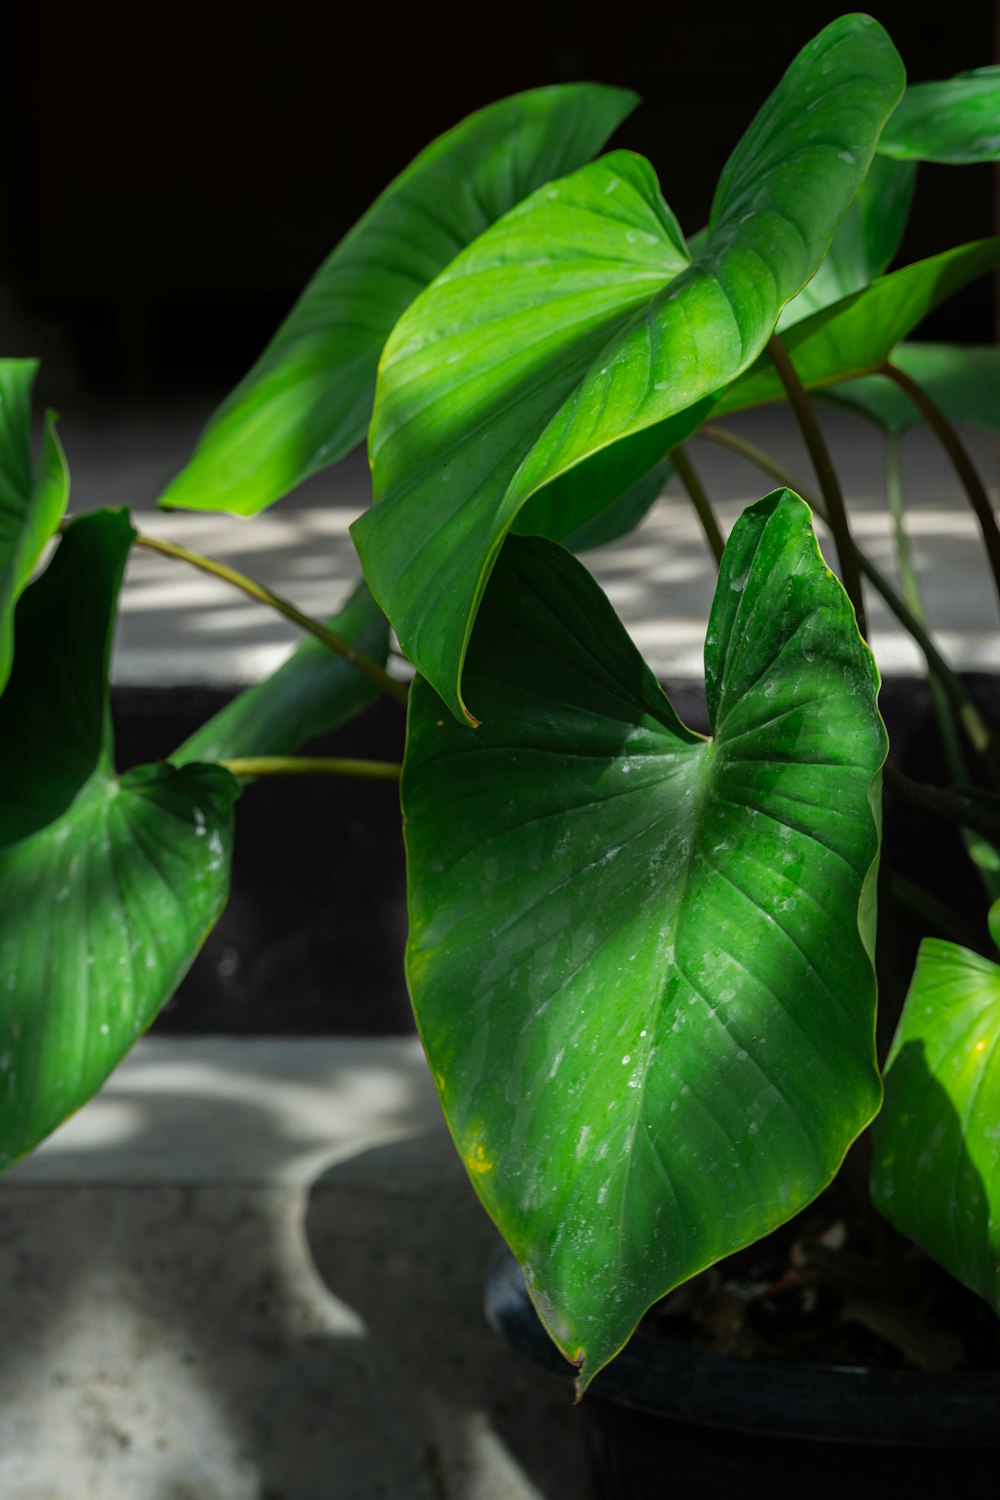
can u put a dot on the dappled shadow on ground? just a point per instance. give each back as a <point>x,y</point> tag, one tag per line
<point>193,1307</point>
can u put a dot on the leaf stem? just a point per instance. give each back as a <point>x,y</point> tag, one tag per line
<point>961,462</point>
<point>688,476</point>
<point>955,805</point>
<point>980,733</point>
<point>829,484</point>
<point>931,910</point>
<point>978,849</point>
<point>264,595</point>
<point>304,765</point>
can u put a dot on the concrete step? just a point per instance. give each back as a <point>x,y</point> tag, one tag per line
<point>253,1269</point>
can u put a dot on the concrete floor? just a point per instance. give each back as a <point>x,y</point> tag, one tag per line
<point>179,626</point>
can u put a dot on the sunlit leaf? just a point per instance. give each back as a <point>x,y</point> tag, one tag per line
<point>857,335</point>
<point>579,319</point>
<point>954,121</point>
<point>31,504</point>
<point>641,961</point>
<point>308,399</point>
<point>936,1172</point>
<point>865,243</point>
<point>108,884</point>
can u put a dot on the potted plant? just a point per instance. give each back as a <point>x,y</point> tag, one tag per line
<point>642,960</point>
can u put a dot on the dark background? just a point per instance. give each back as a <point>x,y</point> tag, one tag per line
<point>171,176</point>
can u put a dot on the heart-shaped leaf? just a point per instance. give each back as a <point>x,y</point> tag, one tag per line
<point>579,319</point>
<point>955,121</point>
<point>962,380</point>
<point>311,693</point>
<point>308,399</point>
<point>867,240</point>
<point>31,506</point>
<point>857,335</point>
<point>936,1172</point>
<point>108,884</point>
<point>640,961</point>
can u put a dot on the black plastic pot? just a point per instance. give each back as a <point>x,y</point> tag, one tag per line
<point>667,1420</point>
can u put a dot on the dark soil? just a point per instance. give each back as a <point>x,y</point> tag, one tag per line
<point>834,1286</point>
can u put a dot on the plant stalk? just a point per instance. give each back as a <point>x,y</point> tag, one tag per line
<point>264,595</point>
<point>931,910</point>
<point>961,462</point>
<point>956,806</point>
<point>980,733</point>
<point>304,765</point>
<point>829,484</point>
<point>703,506</point>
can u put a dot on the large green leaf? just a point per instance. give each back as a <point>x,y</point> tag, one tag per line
<point>857,335</point>
<point>308,399</point>
<point>108,884</point>
<point>31,506</point>
<point>641,961</point>
<point>936,1172</point>
<point>309,694</point>
<point>962,380</point>
<point>579,319</point>
<point>868,238</point>
<point>955,121</point>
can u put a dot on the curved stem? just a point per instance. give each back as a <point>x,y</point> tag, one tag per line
<point>304,765</point>
<point>929,909</point>
<point>688,476</point>
<point>826,474</point>
<point>980,733</point>
<point>264,595</point>
<point>955,805</point>
<point>978,848</point>
<point>962,463</point>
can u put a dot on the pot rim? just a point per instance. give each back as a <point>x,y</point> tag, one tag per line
<point>847,1403</point>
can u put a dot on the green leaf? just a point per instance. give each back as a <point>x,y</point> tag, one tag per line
<point>31,506</point>
<point>867,240</point>
<point>579,319</point>
<point>857,335</point>
<point>936,1172</point>
<point>108,884</point>
<point>623,515</point>
<point>641,961</point>
<point>962,380</point>
<point>308,399</point>
<point>956,121</point>
<point>312,692</point>
<point>604,497</point>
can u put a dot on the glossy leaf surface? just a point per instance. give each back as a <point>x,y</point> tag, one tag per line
<point>936,1172</point>
<point>31,504</point>
<point>954,121</point>
<point>641,961</point>
<point>867,240</point>
<point>310,693</point>
<point>855,336</point>
<point>108,884</point>
<point>963,380</point>
<point>579,320</point>
<point>308,399</point>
